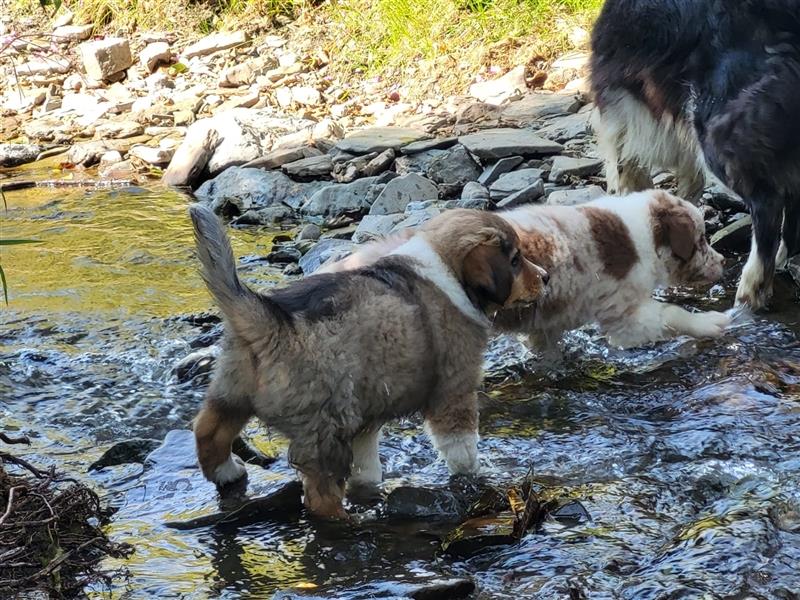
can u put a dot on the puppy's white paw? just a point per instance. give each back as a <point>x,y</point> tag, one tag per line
<point>460,450</point>
<point>711,324</point>
<point>231,470</point>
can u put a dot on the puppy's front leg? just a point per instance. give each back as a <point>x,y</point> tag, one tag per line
<point>367,468</point>
<point>654,321</point>
<point>453,427</point>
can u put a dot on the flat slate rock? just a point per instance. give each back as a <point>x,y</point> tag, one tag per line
<point>501,167</point>
<point>561,129</point>
<point>576,196</point>
<point>434,144</point>
<point>378,139</point>
<point>510,183</point>
<point>566,166</point>
<point>400,191</point>
<point>494,144</point>
<point>533,107</point>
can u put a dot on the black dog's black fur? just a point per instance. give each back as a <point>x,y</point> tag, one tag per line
<point>733,67</point>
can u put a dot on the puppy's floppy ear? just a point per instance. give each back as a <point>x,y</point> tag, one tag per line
<point>486,271</point>
<point>680,233</point>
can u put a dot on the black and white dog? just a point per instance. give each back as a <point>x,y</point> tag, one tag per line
<point>709,89</point>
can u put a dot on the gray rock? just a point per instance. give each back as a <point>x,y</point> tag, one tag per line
<point>434,144</point>
<point>416,219</point>
<point>329,249</point>
<point>264,216</point>
<point>244,135</point>
<point>276,158</point>
<point>402,190</point>
<point>86,153</point>
<point>532,193</point>
<point>453,171</point>
<point>105,58</point>
<point>310,232</point>
<point>576,196</point>
<point>155,54</point>
<point>565,167</point>
<point>735,236</point>
<point>566,128</point>
<point>414,503</point>
<point>239,142</point>
<point>118,129</point>
<point>152,155</point>
<point>314,167</point>
<point>418,162</point>
<point>536,106</point>
<point>284,255</point>
<point>334,200</point>
<point>473,204</point>
<point>238,190</point>
<point>47,66</point>
<point>474,191</point>
<point>12,155</point>
<point>123,453</point>
<point>510,183</point>
<point>496,91</point>
<point>72,33</point>
<point>214,43</point>
<point>378,139</point>
<point>379,164</point>
<point>375,226</point>
<point>494,144</point>
<point>502,166</point>
<point>196,364</point>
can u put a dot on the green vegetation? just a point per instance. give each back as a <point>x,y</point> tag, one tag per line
<point>399,39</point>
<point>397,33</point>
<point>8,242</point>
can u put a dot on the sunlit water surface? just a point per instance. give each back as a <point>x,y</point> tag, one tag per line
<point>686,455</point>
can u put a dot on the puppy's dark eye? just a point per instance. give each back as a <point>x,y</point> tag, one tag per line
<point>515,260</point>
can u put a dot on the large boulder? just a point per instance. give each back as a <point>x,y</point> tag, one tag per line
<point>239,190</point>
<point>338,199</point>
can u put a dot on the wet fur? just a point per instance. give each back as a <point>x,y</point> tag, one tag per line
<point>327,360</point>
<point>605,259</point>
<point>710,89</point>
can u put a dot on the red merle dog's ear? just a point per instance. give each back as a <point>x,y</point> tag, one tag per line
<point>681,231</point>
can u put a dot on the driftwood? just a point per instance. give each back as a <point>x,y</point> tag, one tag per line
<point>280,504</point>
<point>51,537</point>
<point>28,183</point>
<point>191,158</point>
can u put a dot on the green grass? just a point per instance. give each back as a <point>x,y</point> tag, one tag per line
<point>398,33</point>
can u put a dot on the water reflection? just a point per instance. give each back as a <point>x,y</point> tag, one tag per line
<point>685,454</point>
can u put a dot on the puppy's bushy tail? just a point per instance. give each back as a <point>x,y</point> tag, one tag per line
<point>240,305</point>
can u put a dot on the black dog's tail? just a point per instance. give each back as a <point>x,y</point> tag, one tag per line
<point>241,306</point>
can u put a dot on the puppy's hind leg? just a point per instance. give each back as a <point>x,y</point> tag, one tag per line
<point>215,428</point>
<point>453,427</point>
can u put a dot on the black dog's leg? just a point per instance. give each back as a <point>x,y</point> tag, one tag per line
<point>791,228</point>
<point>755,285</point>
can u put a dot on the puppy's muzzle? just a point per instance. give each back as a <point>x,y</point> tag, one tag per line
<point>530,284</point>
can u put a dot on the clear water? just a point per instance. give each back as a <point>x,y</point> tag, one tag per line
<point>686,455</point>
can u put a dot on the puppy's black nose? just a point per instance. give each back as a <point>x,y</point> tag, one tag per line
<point>545,278</point>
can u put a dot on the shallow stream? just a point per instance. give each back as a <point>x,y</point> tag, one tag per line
<point>686,455</point>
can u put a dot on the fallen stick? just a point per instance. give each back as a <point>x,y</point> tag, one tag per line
<point>11,440</point>
<point>25,184</point>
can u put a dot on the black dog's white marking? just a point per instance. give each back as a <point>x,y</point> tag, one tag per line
<point>707,88</point>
